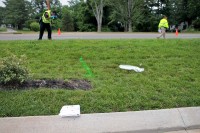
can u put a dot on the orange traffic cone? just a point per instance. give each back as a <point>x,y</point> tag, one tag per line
<point>59,31</point>
<point>176,32</point>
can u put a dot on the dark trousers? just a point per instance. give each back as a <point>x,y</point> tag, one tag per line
<point>44,26</point>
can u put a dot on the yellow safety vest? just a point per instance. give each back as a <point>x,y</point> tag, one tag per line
<point>163,23</point>
<point>46,20</point>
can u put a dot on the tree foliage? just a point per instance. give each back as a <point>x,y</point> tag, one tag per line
<point>127,12</point>
<point>106,15</point>
<point>83,17</point>
<point>16,12</point>
<point>67,20</point>
<point>2,15</point>
<point>97,8</point>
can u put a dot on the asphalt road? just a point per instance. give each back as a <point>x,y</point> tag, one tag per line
<point>94,35</point>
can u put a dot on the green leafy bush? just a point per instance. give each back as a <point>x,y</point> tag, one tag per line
<point>2,29</point>
<point>35,26</point>
<point>28,23</point>
<point>26,29</point>
<point>12,70</point>
<point>105,29</point>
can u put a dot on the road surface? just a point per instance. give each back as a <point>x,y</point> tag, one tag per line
<point>94,35</point>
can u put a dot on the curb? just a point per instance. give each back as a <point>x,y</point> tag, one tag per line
<point>150,121</point>
<point>11,33</point>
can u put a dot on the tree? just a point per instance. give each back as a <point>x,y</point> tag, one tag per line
<point>97,8</point>
<point>67,20</point>
<point>194,6</point>
<point>2,15</point>
<point>40,5</point>
<point>148,20</point>
<point>183,10</point>
<point>130,8</point>
<point>83,17</point>
<point>127,12</point>
<point>16,12</point>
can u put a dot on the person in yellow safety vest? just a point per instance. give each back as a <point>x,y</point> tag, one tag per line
<point>45,22</point>
<point>163,25</point>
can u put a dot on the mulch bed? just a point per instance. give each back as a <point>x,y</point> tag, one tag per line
<point>72,84</point>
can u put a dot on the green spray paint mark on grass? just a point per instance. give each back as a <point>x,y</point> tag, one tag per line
<point>85,66</point>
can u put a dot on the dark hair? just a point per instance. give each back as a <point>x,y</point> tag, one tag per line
<point>164,16</point>
<point>54,12</point>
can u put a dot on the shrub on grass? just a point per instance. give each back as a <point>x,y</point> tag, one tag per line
<point>12,70</point>
<point>35,26</point>
<point>2,29</point>
<point>26,29</point>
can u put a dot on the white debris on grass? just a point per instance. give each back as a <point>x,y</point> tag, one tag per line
<point>70,110</point>
<point>129,67</point>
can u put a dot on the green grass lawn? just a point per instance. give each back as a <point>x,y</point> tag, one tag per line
<point>171,77</point>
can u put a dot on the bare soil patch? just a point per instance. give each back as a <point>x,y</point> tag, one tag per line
<point>72,84</point>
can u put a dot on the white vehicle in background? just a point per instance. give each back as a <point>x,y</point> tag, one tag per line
<point>182,26</point>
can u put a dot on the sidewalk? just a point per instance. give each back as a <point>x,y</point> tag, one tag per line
<point>152,121</point>
<point>186,131</point>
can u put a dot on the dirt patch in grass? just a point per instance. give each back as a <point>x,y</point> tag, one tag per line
<point>72,84</point>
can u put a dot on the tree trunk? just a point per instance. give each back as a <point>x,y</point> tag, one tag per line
<point>130,26</point>
<point>19,26</point>
<point>99,26</point>
<point>98,12</point>
<point>125,27</point>
<point>130,3</point>
<point>100,16</point>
